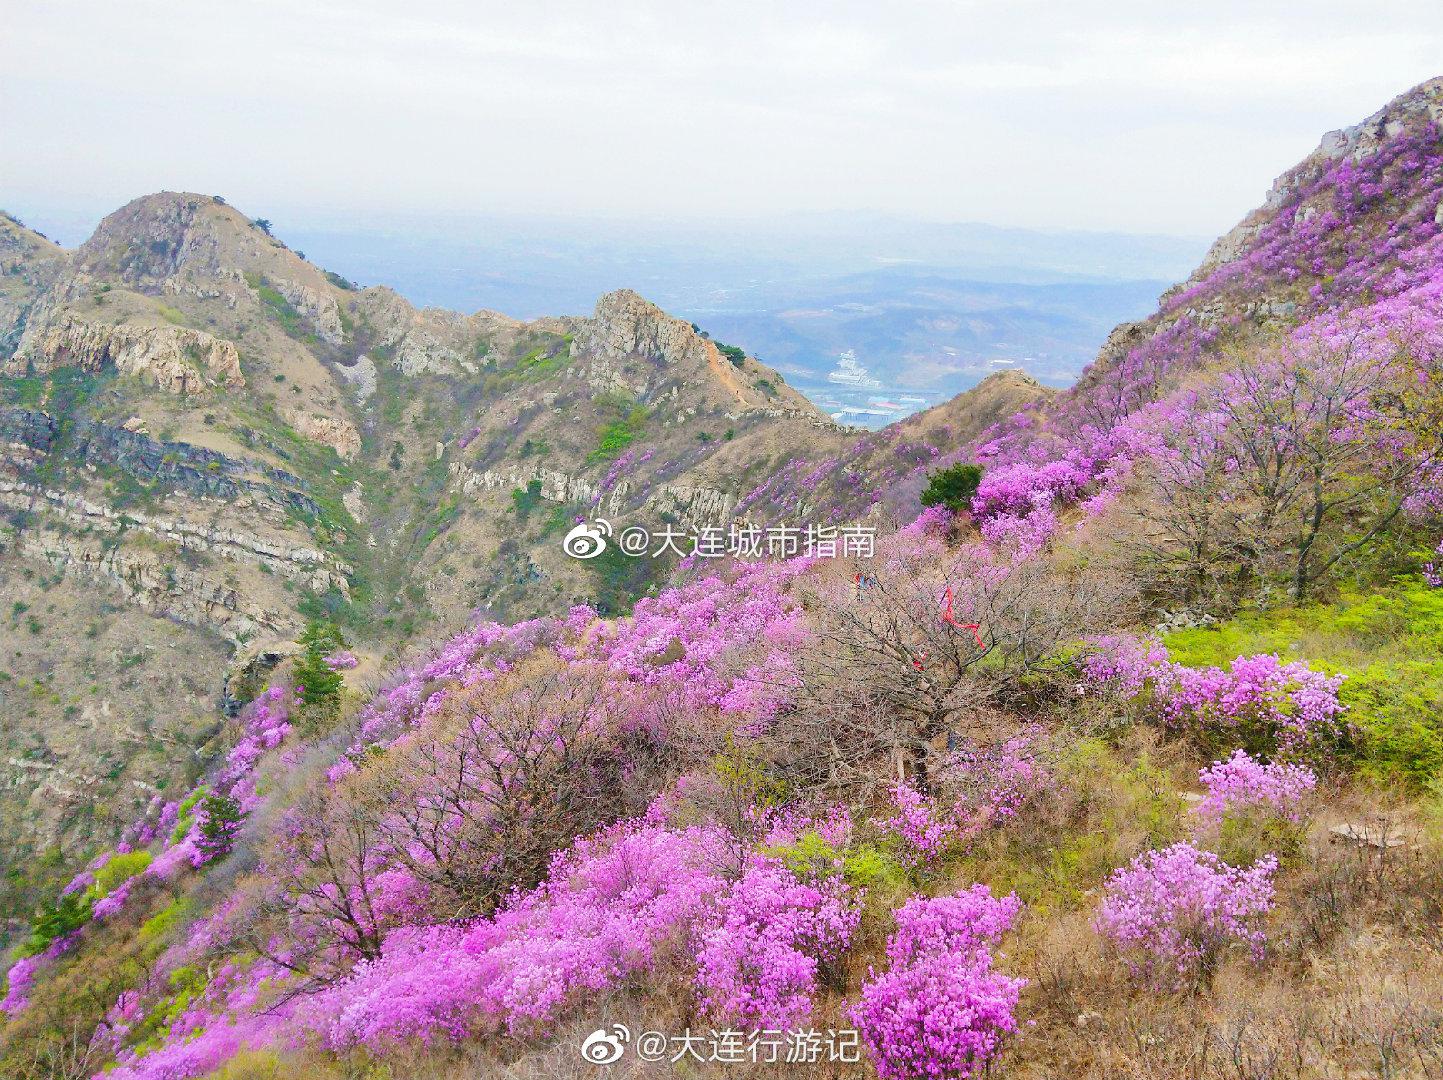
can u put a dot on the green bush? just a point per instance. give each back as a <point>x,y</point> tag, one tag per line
<point>160,925</point>
<point>319,684</point>
<point>119,869</point>
<point>219,826</point>
<point>737,356</point>
<point>64,916</point>
<point>1388,644</point>
<point>526,501</point>
<point>952,487</point>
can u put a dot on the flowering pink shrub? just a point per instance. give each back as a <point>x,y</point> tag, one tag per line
<point>995,783</point>
<point>922,828</point>
<point>1242,785</point>
<point>229,1015</point>
<point>941,1010</point>
<point>970,920</point>
<point>933,519</point>
<point>265,725</point>
<point>112,902</point>
<point>1124,664</point>
<point>1267,705</point>
<point>757,964</point>
<point>1021,487</point>
<point>17,984</point>
<point>1172,912</point>
<point>22,974</point>
<point>611,907</point>
<point>341,661</point>
<point>1431,573</point>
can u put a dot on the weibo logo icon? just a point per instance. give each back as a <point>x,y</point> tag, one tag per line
<point>586,541</point>
<point>604,1046</point>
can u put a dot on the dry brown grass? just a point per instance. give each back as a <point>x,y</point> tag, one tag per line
<point>1352,987</point>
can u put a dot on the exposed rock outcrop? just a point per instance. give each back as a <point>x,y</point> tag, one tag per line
<point>1424,103</point>
<point>334,431</point>
<point>631,345</point>
<point>28,435</point>
<point>173,358</point>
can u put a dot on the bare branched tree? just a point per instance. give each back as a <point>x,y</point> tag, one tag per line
<point>893,668</point>
<point>1296,458</point>
<point>506,774</point>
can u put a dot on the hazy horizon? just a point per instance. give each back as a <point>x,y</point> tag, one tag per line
<point>1102,117</point>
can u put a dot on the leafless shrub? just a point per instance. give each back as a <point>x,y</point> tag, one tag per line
<point>887,674</point>
<point>1296,458</point>
<point>476,802</point>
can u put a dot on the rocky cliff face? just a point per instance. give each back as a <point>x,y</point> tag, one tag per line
<point>174,359</point>
<point>210,440</point>
<point>1421,106</point>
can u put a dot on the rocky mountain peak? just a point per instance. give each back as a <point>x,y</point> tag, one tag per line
<point>626,327</point>
<point>626,324</point>
<point>1412,111</point>
<point>186,243</point>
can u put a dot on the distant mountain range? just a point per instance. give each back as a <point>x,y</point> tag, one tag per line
<point>929,309</point>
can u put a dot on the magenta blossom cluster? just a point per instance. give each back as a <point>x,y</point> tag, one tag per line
<point>1242,785</point>
<point>995,783</point>
<point>921,827</point>
<point>226,1018</point>
<point>265,724</point>
<point>1271,706</point>
<point>613,907</point>
<point>21,975</point>
<point>1431,572</point>
<point>940,1010</point>
<point>341,661</point>
<point>976,788</point>
<point>757,963</point>
<point>1171,913</point>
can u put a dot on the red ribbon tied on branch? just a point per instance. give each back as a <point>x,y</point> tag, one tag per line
<point>947,618</point>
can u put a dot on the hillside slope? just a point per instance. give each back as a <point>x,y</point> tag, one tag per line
<point>217,440</point>
<point>957,800</point>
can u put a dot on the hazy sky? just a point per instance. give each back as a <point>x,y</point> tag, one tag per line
<point>1147,116</point>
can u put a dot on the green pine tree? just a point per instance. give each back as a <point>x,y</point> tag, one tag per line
<point>952,487</point>
<point>320,685</point>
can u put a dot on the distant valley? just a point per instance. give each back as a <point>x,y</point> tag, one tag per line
<point>928,310</point>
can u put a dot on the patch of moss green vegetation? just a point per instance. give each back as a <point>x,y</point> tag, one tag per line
<point>279,308</point>
<point>184,816</point>
<point>1131,803</point>
<point>628,421</point>
<point>1389,644</point>
<point>623,579</point>
<point>441,518</point>
<point>27,391</point>
<point>327,474</point>
<point>392,392</point>
<point>60,393</point>
<point>155,930</point>
<point>536,360</point>
<point>117,870</point>
<point>186,985</point>
<point>527,500</point>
